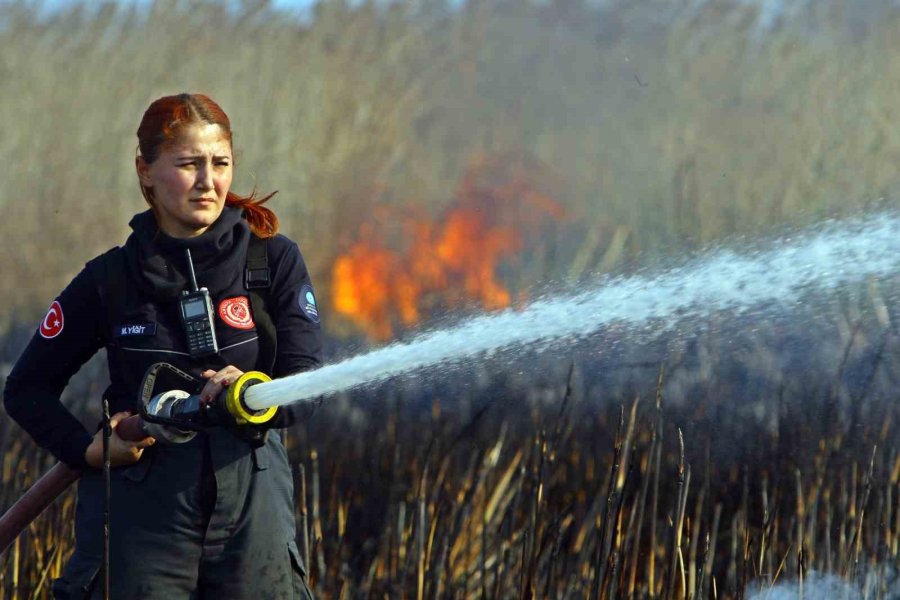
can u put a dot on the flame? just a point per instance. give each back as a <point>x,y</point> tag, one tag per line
<point>446,262</point>
<point>471,250</point>
<point>360,289</point>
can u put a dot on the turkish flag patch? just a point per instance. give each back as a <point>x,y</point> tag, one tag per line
<point>236,312</point>
<point>52,325</point>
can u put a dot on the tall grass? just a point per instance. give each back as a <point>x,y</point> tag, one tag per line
<point>666,125</point>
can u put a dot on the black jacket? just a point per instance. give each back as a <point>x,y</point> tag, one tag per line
<point>150,329</point>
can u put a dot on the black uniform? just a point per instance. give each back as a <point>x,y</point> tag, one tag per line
<point>209,518</point>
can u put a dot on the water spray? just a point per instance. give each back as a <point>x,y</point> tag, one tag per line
<point>836,254</point>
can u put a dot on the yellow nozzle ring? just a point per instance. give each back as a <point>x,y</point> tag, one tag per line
<point>235,406</point>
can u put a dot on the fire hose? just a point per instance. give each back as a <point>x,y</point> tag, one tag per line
<point>173,416</point>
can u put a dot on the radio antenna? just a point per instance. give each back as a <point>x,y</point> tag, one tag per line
<point>190,263</point>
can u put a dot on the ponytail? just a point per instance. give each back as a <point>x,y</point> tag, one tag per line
<point>262,221</point>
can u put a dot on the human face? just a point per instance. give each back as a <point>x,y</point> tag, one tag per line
<point>189,180</point>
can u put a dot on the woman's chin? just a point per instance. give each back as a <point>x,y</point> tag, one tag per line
<point>204,217</point>
<point>189,223</point>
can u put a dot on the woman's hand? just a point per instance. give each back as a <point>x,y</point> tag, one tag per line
<point>121,452</point>
<point>218,381</point>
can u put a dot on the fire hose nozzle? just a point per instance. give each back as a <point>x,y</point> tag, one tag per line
<point>234,400</point>
<point>175,416</point>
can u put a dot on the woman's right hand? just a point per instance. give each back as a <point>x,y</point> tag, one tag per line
<point>121,452</point>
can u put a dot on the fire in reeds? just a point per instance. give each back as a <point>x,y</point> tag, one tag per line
<point>447,261</point>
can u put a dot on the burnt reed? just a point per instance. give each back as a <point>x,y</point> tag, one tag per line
<point>557,492</point>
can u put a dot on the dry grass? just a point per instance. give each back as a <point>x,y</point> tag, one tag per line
<point>663,129</point>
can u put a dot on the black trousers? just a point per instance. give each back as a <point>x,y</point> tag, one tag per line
<point>211,518</point>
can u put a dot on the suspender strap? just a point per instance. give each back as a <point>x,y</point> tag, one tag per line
<point>256,275</point>
<point>257,281</point>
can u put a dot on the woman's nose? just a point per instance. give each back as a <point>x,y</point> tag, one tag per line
<point>204,178</point>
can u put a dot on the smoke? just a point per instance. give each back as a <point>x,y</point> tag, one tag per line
<point>880,582</point>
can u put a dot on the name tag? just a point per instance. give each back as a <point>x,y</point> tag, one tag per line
<point>135,329</point>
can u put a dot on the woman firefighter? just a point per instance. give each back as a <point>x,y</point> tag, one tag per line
<point>211,517</point>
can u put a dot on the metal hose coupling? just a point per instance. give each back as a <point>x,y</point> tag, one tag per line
<point>234,400</point>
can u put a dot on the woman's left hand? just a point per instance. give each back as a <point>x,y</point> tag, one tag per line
<point>218,381</point>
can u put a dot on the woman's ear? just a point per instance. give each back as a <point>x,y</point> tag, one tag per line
<point>143,171</point>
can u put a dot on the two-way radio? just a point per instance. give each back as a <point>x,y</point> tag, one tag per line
<point>197,317</point>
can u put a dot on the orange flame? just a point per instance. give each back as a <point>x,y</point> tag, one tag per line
<point>471,250</point>
<point>445,262</point>
<point>360,288</point>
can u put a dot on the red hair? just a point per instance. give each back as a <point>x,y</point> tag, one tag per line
<point>162,123</point>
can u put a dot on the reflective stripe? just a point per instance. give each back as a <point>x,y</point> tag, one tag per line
<point>253,339</point>
<point>154,350</point>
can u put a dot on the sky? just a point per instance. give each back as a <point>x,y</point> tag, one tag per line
<point>769,10</point>
<point>768,7</point>
<point>292,5</point>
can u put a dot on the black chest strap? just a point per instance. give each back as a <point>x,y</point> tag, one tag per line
<point>258,282</point>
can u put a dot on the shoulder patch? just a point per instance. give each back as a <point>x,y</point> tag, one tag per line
<point>236,312</point>
<point>52,325</point>
<point>307,301</point>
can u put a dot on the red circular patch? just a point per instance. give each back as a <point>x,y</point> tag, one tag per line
<point>236,312</point>
<point>52,325</point>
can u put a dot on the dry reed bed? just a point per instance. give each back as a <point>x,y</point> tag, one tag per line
<point>582,499</point>
<point>559,509</point>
